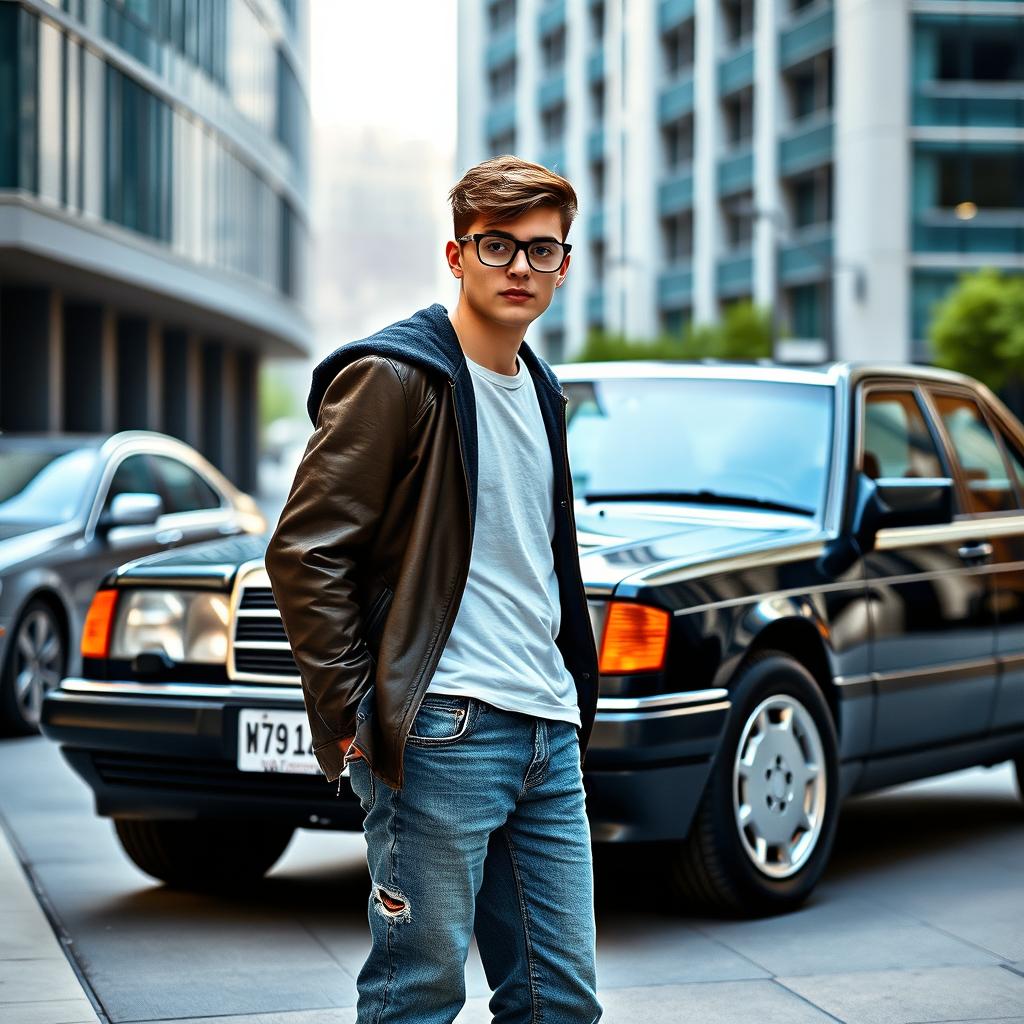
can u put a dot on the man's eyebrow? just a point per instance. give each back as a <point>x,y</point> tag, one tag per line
<point>507,234</point>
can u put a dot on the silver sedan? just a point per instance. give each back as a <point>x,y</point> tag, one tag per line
<point>73,507</point>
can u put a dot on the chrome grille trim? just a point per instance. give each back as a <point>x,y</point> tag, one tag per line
<point>252,587</point>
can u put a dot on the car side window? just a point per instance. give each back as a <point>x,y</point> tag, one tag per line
<point>988,487</point>
<point>185,489</point>
<point>897,442</point>
<point>133,474</point>
<point>1014,457</point>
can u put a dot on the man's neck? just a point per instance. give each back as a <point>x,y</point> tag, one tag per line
<point>490,345</point>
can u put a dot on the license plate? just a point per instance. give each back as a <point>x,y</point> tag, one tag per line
<point>275,741</point>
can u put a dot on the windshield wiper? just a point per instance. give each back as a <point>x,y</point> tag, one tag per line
<point>696,497</point>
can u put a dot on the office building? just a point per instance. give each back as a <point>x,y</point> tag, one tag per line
<point>840,161</point>
<point>153,215</point>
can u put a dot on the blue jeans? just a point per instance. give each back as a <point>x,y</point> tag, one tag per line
<point>489,835</point>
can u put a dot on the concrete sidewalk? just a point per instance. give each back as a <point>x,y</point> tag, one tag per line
<point>38,984</point>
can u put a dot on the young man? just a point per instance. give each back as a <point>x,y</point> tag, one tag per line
<point>426,570</point>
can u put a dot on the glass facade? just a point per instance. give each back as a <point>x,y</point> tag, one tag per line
<point>186,166</point>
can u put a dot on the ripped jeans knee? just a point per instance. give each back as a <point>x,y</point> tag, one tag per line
<point>391,904</point>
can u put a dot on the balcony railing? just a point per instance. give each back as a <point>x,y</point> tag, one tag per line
<point>551,90</point>
<point>675,192</point>
<point>736,172</point>
<point>968,105</point>
<point>736,71</point>
<point>501,48</point>
<point>675,285</point>
<point>676,100</point>
<point>501,117</point>
<point>807,145</point>
<point>551,17</point>
<point>807,35</point>
<point>991,234</point>
<point>807,257</point>
<point>735,273</point>
<point>674,12</point>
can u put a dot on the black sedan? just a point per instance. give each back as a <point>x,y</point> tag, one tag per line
<point>805,582</point>
<point>73,507</point>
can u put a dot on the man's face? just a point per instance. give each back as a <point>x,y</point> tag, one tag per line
<point>484,285</point>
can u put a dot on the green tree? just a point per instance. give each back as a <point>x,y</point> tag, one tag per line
<point>978,328</point>
<point>744,332</point>
<point>277,398</point>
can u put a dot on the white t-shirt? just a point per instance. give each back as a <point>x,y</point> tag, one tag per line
<point>502,645</point>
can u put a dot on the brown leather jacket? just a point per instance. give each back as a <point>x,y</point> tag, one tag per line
<point>370,557</point>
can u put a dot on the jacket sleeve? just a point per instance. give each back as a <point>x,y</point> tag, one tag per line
<point>339,492</point>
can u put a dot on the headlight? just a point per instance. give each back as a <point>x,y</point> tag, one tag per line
<point>188,625</point>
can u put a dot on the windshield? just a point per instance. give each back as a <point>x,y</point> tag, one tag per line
<point>43,487</point>
<point>767,441</point>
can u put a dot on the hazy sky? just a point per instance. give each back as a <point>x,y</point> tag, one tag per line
<point>385,63</point>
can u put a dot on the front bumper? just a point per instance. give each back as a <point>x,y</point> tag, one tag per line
<point>168,750</point>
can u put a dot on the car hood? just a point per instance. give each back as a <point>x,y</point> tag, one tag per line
<point>617,541</point>
<point>23,542</point>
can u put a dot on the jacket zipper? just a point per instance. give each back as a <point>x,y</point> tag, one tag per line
<point>469,519</point>
<point>576,561</point>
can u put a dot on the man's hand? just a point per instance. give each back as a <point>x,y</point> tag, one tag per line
<point>344,744</point>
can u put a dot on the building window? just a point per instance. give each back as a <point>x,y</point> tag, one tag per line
<point>810,198</point>
<point>501,81</point>
<point>975,52</point>
<point>597,178</point>
<point>739,118</point>
<point>677,48</point>
<point>677,140</point>
<point>739,224</point>
<point>503,143</point>
<point>552,48</point>
<point>501,15</point>
<point>597,258</point>
<point>805,310</point>
<point>677,237</point>
<point>675,321</point>
<point>554,345</point>
<point>738,20</point>
<point>552,123</point>
<point>596,24</point>
<point>597,101</point>
<point>992,181</point>
<point>809,87</point>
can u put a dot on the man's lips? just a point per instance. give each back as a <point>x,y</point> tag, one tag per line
<point>516,293</point>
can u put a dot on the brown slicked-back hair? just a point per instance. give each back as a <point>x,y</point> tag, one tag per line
<point>505,187</point>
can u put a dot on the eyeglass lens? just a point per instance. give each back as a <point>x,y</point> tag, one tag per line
<point>496,251</point>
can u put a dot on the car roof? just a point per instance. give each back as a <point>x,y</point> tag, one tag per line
<point>823,373</point>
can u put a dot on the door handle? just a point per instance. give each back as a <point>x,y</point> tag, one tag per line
<point>171,536</point>
<point>979,550</point>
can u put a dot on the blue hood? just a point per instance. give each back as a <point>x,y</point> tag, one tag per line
<point>428,339</point>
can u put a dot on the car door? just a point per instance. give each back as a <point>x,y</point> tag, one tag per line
<point>930,591</point>
<point>193,505</point>
<point>1006,526</point>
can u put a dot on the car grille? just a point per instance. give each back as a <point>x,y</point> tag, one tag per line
<point>203,775</point>
<point>260,651</point>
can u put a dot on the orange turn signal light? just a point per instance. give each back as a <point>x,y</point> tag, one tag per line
<point>635,638</point>
<point>98,624</point>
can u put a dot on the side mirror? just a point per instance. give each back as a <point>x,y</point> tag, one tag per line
<point>131,509</point>
<point>900,501</point>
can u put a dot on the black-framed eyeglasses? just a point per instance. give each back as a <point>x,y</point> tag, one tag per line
<point>500,250</point>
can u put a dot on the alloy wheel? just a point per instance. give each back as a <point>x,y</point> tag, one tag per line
<point>779,786</point>
<point>38,662</point>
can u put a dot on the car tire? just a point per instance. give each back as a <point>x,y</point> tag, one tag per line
<point>35,662</point>
<point>721,866</point>
<point>203,855</point>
